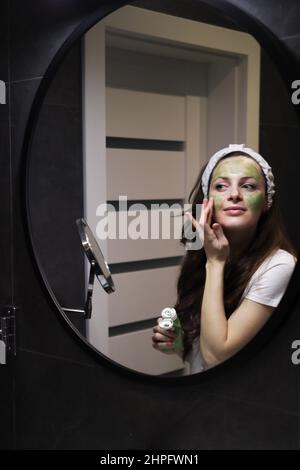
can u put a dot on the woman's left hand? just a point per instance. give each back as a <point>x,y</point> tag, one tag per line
<point>216,245</point>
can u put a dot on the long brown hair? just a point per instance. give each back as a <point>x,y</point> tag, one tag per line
<point>270,235</point>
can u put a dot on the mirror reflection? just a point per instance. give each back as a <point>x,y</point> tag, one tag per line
<point>141,134</point>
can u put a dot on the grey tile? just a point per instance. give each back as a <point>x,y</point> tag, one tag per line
<point>257,428</point>
<point>293,45</point>
<point>276,107</point>
<point>4,41</point>
<point>191,10</point>
<point>268,377</point>
<point>281,16</point>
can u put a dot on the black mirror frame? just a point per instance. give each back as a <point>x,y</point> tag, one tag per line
<point>288,68</point>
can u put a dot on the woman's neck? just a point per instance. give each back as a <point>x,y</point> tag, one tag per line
<point>239,241</point>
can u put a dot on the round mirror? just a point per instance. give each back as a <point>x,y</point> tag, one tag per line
<point>121,145</point>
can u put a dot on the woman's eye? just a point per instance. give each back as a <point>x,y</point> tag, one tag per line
<point>247,186</point>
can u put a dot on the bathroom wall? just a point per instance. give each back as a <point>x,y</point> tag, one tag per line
<point>57,394</point>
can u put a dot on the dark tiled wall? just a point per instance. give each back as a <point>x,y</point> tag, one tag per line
<point>279,141</point>
<point>56,186</point>
<point>7,379</point>
<point>57,394</point>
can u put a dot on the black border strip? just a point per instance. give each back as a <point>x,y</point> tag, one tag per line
<point>142,265</point>
<point>144,144</point>
<point>132,327</point>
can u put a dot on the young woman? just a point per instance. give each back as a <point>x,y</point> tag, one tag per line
<point>228,289</point>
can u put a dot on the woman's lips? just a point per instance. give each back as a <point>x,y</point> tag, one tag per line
<point>234,211</point>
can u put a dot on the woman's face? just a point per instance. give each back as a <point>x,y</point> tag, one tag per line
<point>238,182</point>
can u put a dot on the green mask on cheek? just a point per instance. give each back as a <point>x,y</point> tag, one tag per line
<point>217,201</point>
<point>255,201</point>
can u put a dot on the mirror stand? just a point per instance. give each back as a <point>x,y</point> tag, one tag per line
<point>87,311</point>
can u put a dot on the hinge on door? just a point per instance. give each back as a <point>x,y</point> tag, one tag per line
<point>7,333</point>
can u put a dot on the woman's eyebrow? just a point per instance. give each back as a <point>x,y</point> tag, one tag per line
<point>227,178</point>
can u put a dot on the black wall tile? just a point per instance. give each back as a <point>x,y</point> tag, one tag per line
<point>51,400</point>
<point>202,427</point>
<point>281,17</point>
<point>257,428</point>
<point>268,378</point>
<point>5,208</point>
<point>280,147</point>
<point>293,45</point>
<point>22,97</point>
<point>56,201</point>
<point>65,88</point>
<point>4,41</point>
<point>7,408</point>
<point>39,29</point>
<point>37,311</point>
<point>55,186</point>
<point>62,405</point>
<point>190,10</point>
<point>276,107</point>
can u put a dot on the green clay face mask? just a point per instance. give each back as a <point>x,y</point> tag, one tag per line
<point>254,202</point>
<point>218,200</point>
<point>237,166</point>
<point>238,170</point>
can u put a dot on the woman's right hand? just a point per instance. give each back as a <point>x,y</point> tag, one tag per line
<point>163,340</point>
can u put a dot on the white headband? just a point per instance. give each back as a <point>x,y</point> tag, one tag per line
<point>240,148</point>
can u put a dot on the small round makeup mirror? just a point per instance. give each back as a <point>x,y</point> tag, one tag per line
<point>95,256</point>
<point>98,265</point>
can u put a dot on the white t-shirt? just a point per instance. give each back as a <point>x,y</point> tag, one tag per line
<point>267,286</point>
